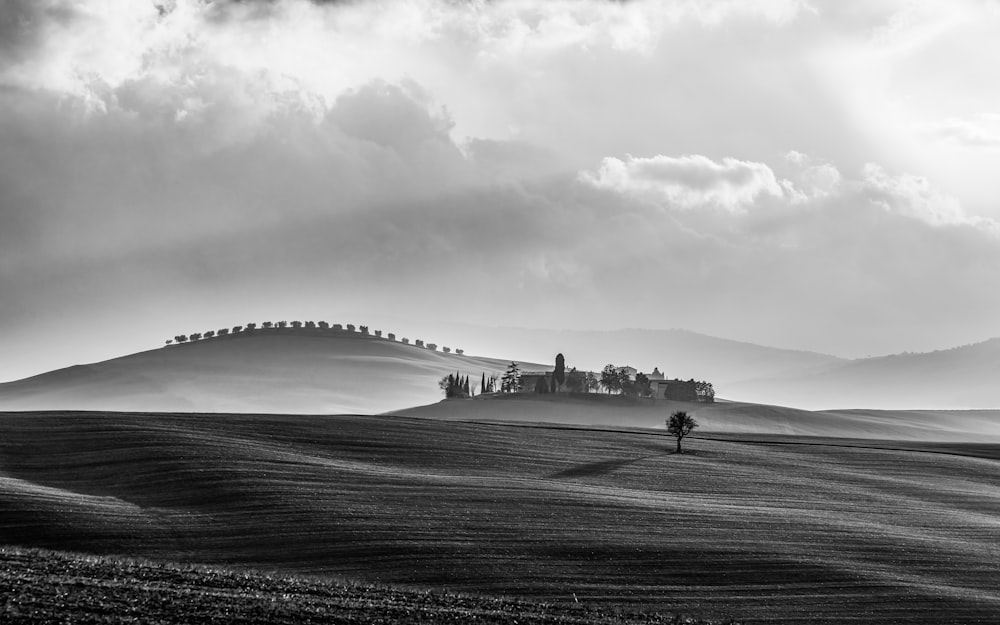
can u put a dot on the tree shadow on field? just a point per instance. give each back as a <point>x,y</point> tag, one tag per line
<point>592,469</point>
<point>668,447</point>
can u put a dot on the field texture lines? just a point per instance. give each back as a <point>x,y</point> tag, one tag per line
<point>38,587</point>
<point>769,530</point>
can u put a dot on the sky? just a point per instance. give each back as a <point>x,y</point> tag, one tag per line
<point>796,173</point>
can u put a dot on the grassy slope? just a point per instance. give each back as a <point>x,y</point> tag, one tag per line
<point>731,417</point>
<point>291,371</point>
<point>786,532</point>
<point>39,587</point>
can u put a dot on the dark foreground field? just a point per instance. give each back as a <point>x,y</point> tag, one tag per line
<point>773,530</point>
<point>38,587</point>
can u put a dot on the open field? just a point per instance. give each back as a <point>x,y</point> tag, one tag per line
<point>786,532</point>
<point>39,587</point>
<point>724,416</point>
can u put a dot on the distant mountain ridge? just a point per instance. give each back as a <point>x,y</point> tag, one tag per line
<point>961,377</point>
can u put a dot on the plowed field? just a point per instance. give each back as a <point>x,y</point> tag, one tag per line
<point>791,530</point>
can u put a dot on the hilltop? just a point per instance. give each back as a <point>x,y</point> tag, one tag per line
<point>271,371</point>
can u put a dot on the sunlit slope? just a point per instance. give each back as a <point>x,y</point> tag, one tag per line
<point>963,377</point>
<point>790,533</point>
<point>723,416</point>
<point>277,371</point>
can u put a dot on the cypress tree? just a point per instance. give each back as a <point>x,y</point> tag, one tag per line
<point>559,375</point>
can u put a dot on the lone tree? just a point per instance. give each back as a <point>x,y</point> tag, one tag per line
<point>680,425</point>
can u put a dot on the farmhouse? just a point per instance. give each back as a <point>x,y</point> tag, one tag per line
<point>530,380</point>
<point>660,387</point>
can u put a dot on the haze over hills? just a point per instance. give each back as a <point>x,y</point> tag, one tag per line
<point>324,372</point>
<point>676,352</point>
<point>962,377</point>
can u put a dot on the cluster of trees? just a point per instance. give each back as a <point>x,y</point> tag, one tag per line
<point>617,380</point>
<point>573,381</point>
<point>308,325</point>
<point>455,385</point>
<point>489,384</point>
<point>704,391</point>
<point>581,382</point>
<point>613,379</point>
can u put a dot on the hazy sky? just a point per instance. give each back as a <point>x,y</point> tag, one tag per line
<point>816,175</point>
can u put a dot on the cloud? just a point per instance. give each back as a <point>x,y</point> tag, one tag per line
<point>810,179</point>
<point>686,181</point>
<point>451,159</point>
<point>982,131</point>
<point>912,196</point>
<point>73,46</point>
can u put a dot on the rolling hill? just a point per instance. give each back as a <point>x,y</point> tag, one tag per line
<point>286,371</point>
<point>723,417</point>
<point>325,372</point>
<point>778,531</point>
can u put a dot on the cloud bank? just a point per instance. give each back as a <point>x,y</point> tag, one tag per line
<point>571,164</point>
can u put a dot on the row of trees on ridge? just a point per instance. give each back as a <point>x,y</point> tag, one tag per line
<point>307,325</point>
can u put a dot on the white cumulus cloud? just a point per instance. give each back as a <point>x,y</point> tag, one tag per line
<point>687,181</point>
<point>912,196</point>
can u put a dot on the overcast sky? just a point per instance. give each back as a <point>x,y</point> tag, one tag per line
<point>804,174</point>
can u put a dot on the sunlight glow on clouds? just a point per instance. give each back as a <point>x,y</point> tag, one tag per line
<point>912,196</point>
<point>981,131</point>
<point>547,161</point>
